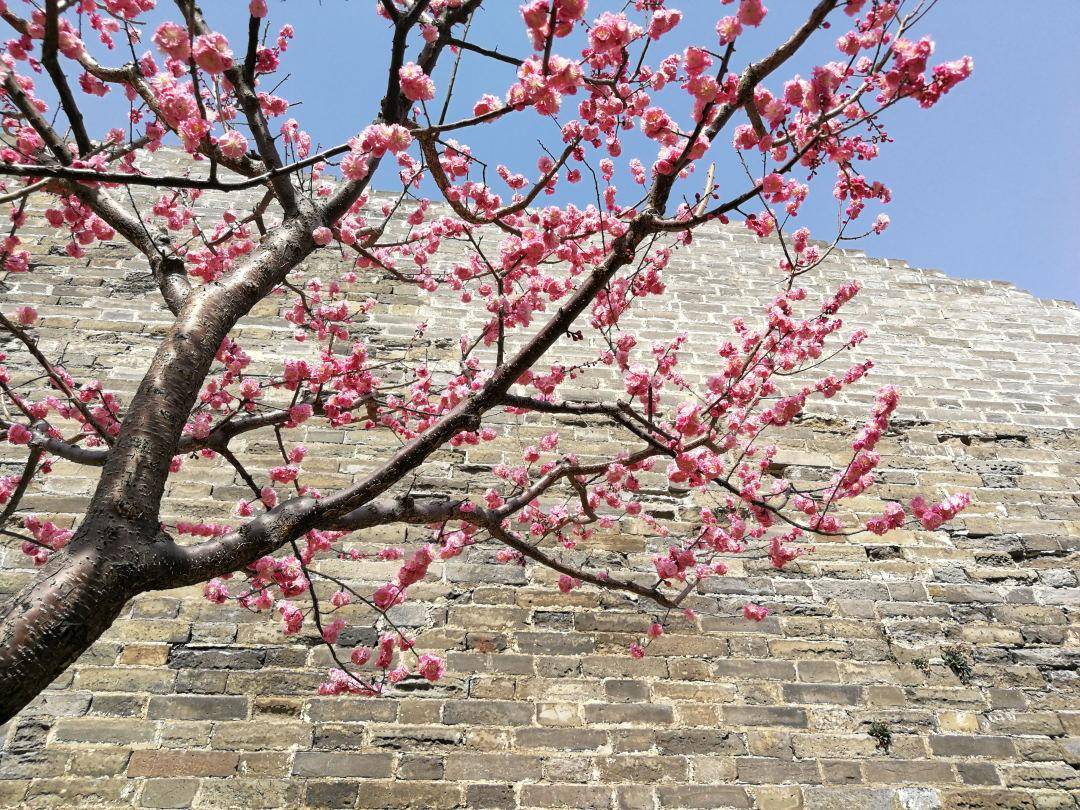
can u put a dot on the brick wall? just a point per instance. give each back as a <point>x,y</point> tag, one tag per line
<point>916,670</point>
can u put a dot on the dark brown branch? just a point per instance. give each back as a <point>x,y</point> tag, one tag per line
<point>490,53</point>
<point>59,80</point>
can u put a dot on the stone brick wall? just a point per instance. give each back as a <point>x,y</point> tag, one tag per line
<point>916,670</point>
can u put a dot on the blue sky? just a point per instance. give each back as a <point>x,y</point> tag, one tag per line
<point>986,184</point>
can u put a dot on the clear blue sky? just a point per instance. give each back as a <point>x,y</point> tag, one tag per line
<point>986,185</point>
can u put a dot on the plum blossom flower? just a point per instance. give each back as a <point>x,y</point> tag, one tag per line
<point>893,518</point>
<point>26,315</point>
<point>415,84</point>
<point>331,631</point>
<point>663,20</point>
<point>172,39</point>
<point>754,612</point>
<point>728,29</point>
<point>212,52</point>
<point>611,32</point>
<point>378,139</point>
<point>19,434</point>
<point>431,667</point>
<point>932,516</point>
<point>751,12</point>
<point>233,144</point>
<point>568,583</point>
<point>216,591</point>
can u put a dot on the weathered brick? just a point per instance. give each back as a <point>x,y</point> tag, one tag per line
<point>410,737</point>
<point>768,771</point>
<point>843,695</point>
<point>342,765</point>
<point>950,745</point>
<point>409,795</point>
<point>254,793</point>
<point>485,797</point>
<point>493,767</point>
<point>703,796</point>
<point>248,736</point>
<point>487,712</point>
<point>901,771</point>
<point>700,741</point>
<point>560,739</point>
<point>331,794</point>
<point>765,716</point>
<point>641,714</point>
<point>576,797</point>
<point>95,730</point>
<point>168,793</point>
<point>644,769</point>
<point>198,707</point>
<point>162,763</point>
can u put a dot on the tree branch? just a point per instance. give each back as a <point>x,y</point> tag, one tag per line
<point>59,80</point>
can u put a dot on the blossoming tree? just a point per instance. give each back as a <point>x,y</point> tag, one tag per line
<point>555,272</point>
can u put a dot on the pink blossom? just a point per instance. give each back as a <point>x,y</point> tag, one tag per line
<point>322,236</point>
<point>233,144</point>
<point>212,52</point>
<point>26,315</point>
<point>745,137</point>
<point>932,516</point>
<point>298,414</point>
<point>893,518</point>
<point>415,569</point>
<point>331,631</point>
<point>663,20</point>
<point>751,12</point>
<point>728,29</point>
<point>415,84</point>
<point>611,32</point>
<point>378,139</point>
<point>19,434</point>
<point>431,667</point>
<point>257,8</point>
<point>388,595</point>
<point>568,583</point>
<point>285,474</point>
<point>636,650</point>
<point>292,617</point>
<point>216,591</point>
<point>92,85</point>
<point>755,612</point>
<point>487,103</point>
<point>173,40</point>
<point>354,166</point>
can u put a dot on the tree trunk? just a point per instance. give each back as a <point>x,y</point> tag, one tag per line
<point>70,604</point>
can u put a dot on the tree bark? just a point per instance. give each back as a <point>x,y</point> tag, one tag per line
<point>68,606</point>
